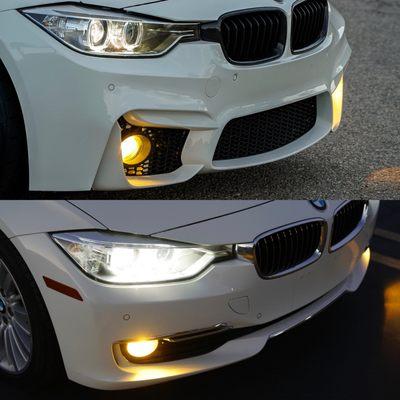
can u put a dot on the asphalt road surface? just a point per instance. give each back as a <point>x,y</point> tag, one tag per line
<point>361,160</point>
<point>349,351</point>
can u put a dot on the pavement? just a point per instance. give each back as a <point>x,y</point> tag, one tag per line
<point>361,160</point>
<point>349,351</point>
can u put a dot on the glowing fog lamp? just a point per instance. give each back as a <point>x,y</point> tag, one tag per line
<point>141,348</point>
<point>135,149</point>
<point>337,105</point>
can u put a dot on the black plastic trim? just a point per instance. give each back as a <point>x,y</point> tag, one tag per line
<point>320,40</point>
<point>211,32</point>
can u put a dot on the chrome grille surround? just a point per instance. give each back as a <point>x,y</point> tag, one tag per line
<point>336,245</point>
<point>248,251</point>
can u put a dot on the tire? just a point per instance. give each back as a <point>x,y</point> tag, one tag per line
<point>14,174</point>
<point>45,367</point>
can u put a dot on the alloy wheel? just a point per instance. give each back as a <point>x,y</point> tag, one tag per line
<point>15,328</point>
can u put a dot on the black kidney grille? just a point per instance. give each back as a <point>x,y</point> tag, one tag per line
<point>254,36</point>
<point>282,251</point>
<point>266,131</point>
<point>309,23</point>
<point>347,220</point>
<point>165,156</point>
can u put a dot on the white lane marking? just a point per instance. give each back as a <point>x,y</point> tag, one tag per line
<point>387,235</point>
<point>387,261</point>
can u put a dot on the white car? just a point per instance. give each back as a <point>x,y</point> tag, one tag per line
<point>122,94</point>
<point>123,294</point>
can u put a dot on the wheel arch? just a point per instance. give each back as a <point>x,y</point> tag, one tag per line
<point>8,250</point>
<point>7,78</point>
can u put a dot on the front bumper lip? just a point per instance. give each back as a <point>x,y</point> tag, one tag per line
<point>238,344</point>
<point>207,340</point>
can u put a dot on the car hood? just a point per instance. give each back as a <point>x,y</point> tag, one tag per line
<point>203,10</point>
<point>119,4</point>
<point>178,10</point>
<point>202,222</point>
<point>153,217</point>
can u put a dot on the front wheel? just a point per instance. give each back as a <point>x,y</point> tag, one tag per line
<point>15,327</point>
<point>29,352</point>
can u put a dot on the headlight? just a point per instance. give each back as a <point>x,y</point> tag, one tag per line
<point>127,259</point>
<point>103,33</point>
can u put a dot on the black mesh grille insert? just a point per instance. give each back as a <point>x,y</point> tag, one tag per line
<point>254,36</point>
<point>266,131</point>
<point>165,155</point>
<point>347,220</point>
<point>284,250</point>
<point>309,23</point>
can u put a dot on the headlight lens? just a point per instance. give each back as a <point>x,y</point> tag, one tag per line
<point>127,259</point>
<point>104,33</point>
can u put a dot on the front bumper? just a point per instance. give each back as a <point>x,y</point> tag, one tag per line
<point>229,292</point>
<point>72,102</point>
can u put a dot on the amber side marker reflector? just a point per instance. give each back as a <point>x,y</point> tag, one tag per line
<point>61,288</point>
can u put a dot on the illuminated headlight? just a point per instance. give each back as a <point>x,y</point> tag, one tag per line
<point>127,259</point>
<point>105,33</point>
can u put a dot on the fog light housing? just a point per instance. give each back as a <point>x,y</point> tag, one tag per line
<point>141,348</point>
<point>337,105</point>
<point>135,149</point>
<point>148,151</point>
<point>175,347</point>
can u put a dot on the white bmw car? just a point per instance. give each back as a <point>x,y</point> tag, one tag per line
<point>122,94</point>
<point>125,294</point>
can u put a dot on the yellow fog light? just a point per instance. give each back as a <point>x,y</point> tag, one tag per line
<point>337,105</point>
<point>142,348</point>
<point>367,256</point>
<point>135,149</point>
